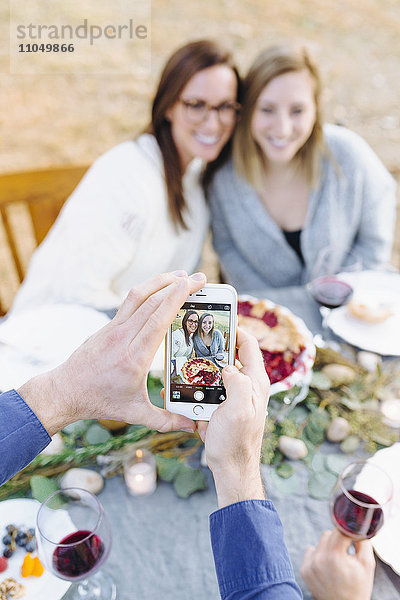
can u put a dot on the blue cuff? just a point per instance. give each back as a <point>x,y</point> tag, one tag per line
<point>22,435</point>
<point>249,550</point>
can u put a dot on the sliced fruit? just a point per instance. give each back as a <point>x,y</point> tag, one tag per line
<point>3,563</point>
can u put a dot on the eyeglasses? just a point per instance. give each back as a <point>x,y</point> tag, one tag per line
<point>192,321</point>
<point>197,111</point>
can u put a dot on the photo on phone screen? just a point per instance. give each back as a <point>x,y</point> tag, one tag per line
<point>199,350</point>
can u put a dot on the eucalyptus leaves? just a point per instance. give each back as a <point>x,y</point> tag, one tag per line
<point>86,443</point>
<point>342,407</point>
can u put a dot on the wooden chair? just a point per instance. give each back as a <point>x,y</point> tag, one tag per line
<point>41,194</point>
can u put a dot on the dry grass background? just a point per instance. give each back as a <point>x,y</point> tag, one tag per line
<point>51,120</point>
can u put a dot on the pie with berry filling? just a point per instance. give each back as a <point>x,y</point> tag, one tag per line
<point>280,341</point>
<point>201,371</point>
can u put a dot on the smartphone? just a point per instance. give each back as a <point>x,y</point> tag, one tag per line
<point>199,343</point>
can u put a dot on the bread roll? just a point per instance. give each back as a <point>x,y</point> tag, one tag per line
<point>369,311</point>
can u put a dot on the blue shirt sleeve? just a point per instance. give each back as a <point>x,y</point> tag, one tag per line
<point>22,436</point>
<point>250,555</point>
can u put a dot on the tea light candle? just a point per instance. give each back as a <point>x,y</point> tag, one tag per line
<point>140,473</point>
<point>390,409</point>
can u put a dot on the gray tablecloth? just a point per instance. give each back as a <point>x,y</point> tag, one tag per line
<point>161,545</point>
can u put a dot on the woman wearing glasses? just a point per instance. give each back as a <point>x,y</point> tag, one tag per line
<point>295,186</point>
<point>182,339</point>
<point>140,209</point>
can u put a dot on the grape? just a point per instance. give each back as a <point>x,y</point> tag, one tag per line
<point>8,552</point>
<point>10,528</point>
<point>20,539</point>
<point>30,546</point>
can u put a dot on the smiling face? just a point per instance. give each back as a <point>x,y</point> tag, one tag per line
<point>284,116</point>
<point>207,324</point>
<point>216,86</point>
<point>192,323</point>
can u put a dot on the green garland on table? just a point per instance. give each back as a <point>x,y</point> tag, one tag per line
<point>170,450</point>
<point>55,464</point>
<point>356,401</point>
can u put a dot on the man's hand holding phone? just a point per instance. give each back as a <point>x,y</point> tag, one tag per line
<point>233,436</point>
<point>106,377</point>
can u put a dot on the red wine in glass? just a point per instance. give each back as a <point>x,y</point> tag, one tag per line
<point>77,554</point>
<point>361,494</point>
<point>330,291</point>
<point>74,539</point>
<point>359,519</point>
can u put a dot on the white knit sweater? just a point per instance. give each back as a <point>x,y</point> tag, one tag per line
<point>114,232</point>
<point>179,346</point>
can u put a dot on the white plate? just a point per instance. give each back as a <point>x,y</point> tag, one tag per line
<point>22,512</point>
<point>386,542</point>
<point>37,340</point>
<point>304,363</point>
<point>382,338</point>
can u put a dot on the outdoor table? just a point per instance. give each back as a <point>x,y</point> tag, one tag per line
<point>161,546</point>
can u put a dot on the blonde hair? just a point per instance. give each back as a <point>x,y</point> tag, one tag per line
<point>249,160</point>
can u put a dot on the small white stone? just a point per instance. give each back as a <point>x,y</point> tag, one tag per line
<point>56,445</point>
<point>391,412</point>
<point>83,478</point>
<point>292,448</point>
<point>369,360</point>
<point>339,374</point>
<point>203,458</point>
<point>338,430</point>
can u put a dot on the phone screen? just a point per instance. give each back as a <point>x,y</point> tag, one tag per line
<point>199,351</point>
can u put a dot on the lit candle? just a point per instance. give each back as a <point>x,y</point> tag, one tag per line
<point>390,409</point>
<point>140,473</point>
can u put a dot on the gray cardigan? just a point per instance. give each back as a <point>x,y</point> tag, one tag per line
<point>217,345</point>
<point>353,207</point>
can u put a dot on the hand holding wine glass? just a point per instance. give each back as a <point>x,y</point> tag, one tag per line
<point>358,500</point>
<point>331,573</point>
<point>74,540</point>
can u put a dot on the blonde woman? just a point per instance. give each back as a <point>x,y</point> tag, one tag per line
<point>294,186</point>
<point>208,342</point>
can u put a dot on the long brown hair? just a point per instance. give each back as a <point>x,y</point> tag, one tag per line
<point>187,314</point>
<point>249,159</point>
<point>182,65</point>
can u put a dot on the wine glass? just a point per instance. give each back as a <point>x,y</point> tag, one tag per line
<point>362,491</point>
<point>74,540</point>
<point>326,285</point>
